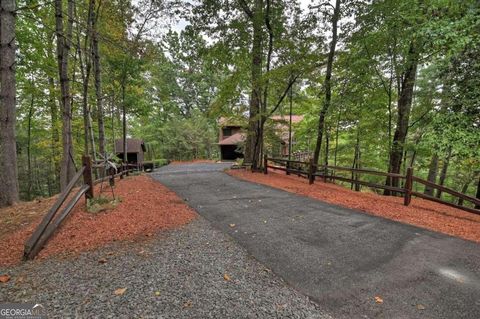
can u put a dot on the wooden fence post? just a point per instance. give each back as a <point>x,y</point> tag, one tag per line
<point>311,172</point>
<point>112,176</point>
<point>87,176</point>
<point>287,167</point>
<point>121,171</point>
<point>325,173</point>
<point>408,187</point>
<point>265,164</point>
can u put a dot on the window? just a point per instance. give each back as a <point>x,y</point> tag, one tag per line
<point>227,131</point>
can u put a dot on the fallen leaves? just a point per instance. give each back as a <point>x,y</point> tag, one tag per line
<point>4,278</point>
<point>420,307</point>
<point>102,261</point>
<point>119,291</point>
<point>227,277</point>
<point>232,225</point>
<point>378,300</point>
<point>157,293</point>
<point>188,304</point>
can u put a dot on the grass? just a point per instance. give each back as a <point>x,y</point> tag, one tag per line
<point>101,203</point>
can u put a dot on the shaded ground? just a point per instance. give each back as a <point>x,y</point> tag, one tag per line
<point>146,206</point>
<point>22,214</point>
<point>351,263</point>
<point>423,213</point>
<point>194,271</point>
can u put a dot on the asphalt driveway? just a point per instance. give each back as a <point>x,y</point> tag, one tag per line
<point>339,257</point>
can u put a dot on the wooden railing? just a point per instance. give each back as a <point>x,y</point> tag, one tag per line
<point>328,173</point>
<point>49,223</point>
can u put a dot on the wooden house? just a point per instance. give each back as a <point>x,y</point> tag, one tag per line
<point>135,150</point>
<point>229,140</point>
<point>231,136</point>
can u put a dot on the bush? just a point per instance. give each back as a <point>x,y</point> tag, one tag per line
<point>160,162</point>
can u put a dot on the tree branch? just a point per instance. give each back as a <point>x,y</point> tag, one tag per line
<point>284,94</point>
<point>246,9</point>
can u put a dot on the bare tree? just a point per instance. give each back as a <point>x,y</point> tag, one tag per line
<point>8,150</point>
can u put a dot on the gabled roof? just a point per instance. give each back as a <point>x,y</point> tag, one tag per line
<point>233,140</point>
<point>134,145</point>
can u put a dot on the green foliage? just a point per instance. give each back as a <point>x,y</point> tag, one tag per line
<point>160,162</point>
<point>180,138</point>
<point>176,84</point>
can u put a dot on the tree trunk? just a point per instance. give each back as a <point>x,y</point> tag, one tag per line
<point>124,124</point>
<point>464,191</point>
<point>85,68</point>
<point>404,106</point>
<point>327,84</point>
<point>55,134</point>
<point>8,148</point>
<point>337,129</point>
<point>432,174</point>
<point>478,193</point>
<point>67,169</point>
<point>443,173</point>
<point>29,144</point>
<point>112,110</point>
<point>327,144</point>
<point>252,145</point>
<point>356,160</point>
<point>98,82</point>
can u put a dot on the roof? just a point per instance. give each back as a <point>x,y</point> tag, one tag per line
<point>134,145</point>
<point>286,118</point>
<point>233,140</point>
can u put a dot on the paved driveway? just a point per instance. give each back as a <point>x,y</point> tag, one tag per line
<point>339,257</point>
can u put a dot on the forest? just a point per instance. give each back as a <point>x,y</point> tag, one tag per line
<point>382,84</point>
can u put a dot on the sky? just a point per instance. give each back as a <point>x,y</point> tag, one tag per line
<point>181,24</point>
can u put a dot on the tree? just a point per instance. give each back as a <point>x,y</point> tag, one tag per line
<point>404,106</point>
<point>98,80</point>
<point>64,40</point>
<point>328,79</point>
<point>252,145</point>
<point>8,151</point>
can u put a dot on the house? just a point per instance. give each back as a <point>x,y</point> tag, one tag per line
<point>231,136</point>
<point>135,150</point>
<point>282,125</point>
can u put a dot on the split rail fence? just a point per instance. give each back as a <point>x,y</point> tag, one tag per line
<point>52,220</point>
<point>328,173</point>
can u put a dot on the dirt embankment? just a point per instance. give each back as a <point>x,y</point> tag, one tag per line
<point>146,206</point>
